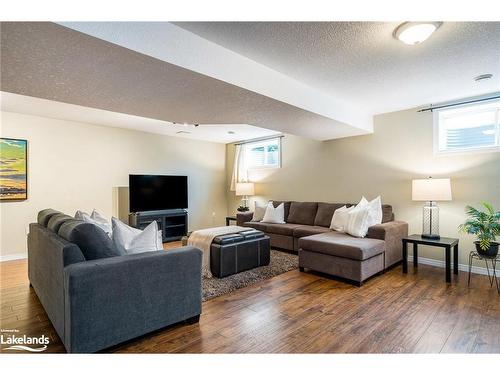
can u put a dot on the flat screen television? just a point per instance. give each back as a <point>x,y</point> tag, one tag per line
<point>152,193</point>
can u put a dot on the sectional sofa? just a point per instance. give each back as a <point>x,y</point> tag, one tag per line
<point>306,231</point>
<point>97,301</point>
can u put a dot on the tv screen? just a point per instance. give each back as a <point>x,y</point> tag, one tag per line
<point>151,193</point>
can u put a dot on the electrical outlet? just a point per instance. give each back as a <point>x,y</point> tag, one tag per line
<point>27,230</point>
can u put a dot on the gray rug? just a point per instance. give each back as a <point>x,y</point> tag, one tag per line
<point>281,262</point>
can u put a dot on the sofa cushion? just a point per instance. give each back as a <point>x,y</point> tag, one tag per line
<point>255,225</point>
<point>387,214</point>
<point>92,240</point>
<point>325,213</point>
<point>302,213</point>
<point>45,215</point>
<point>309,230</point>
<point>56,221</point>
<point>284,229</point>
<point>286,206</point>
<point>342,245</point>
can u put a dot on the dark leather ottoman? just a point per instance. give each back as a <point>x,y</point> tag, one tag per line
<point>233,253</point>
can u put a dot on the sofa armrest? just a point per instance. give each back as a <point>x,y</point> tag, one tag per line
<point>111,300</point>
<point>391,232</point>
<point>243,217</point>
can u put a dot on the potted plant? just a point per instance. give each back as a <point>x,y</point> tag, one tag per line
<point>485,225</point>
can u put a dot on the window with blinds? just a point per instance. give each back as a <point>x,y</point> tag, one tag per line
<point>263,154</point>
<point>468,128</point>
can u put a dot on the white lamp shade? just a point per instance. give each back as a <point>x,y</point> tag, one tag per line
<point>431,189</point>
<point>244,188</point>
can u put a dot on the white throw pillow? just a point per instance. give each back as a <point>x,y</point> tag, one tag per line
<point>339,218</point>
<point>357,221</point>
<point>101,221</point>
<point>375,215</point>
<point>80,215</point>
<point>362,202</point>
<point>259,211</point>
<point>274,215</point>
<point>96,219</point>
<point>132,240</point>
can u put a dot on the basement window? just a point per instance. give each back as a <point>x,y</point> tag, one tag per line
<point>263,154</point>
<point>468,128</point>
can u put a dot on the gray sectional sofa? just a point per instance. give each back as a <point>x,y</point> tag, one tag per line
<point>96,297</point>
<point>306,231</point>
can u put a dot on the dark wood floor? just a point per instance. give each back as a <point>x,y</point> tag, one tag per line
<point>304,312</point>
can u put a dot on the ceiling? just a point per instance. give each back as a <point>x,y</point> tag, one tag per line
<point>53,62</point>
<point>362,62</point>
<point>321,80</point>
<point>219,133</point>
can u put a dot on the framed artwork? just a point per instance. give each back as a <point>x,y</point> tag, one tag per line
<point>13,169</point>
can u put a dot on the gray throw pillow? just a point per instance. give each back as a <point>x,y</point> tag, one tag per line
<point>92,240</point>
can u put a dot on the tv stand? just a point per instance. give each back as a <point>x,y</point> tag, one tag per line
<point>172,223</point>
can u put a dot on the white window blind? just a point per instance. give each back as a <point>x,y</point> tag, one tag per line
<point>263,154</point>
<point>467,128</point>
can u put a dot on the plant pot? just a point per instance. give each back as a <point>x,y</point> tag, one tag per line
<point>491,252</point>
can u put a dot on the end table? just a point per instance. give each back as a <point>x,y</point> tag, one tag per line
<point>445,242</point>
<point>229,218</point>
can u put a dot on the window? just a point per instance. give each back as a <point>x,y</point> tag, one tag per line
<point>263,154</point>
<point>467,128</point>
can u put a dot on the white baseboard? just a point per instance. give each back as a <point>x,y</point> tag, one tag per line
<point>461,267</point>
<point>421,260</point>
<point>6,258</point>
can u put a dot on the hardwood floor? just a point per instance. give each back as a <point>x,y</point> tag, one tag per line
<point>307,313</point>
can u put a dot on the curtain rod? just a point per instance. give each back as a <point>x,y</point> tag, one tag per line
<point>431,108</point>
<point>258,139</point>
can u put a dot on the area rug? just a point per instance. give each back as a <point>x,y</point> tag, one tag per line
<point>281,262</point>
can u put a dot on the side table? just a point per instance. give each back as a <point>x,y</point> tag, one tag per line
<point>445,242</point>
<point>229,218</point>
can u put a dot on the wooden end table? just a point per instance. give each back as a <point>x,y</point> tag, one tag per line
<point>445,242</point>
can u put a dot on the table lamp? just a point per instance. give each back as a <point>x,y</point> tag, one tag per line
<point>244,189</point>
<point>431,190</point>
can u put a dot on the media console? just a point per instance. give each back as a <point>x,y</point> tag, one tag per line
<point>172,223</point>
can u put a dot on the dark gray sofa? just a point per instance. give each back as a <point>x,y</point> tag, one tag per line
<point>306,231</point>
<point>97,303</point>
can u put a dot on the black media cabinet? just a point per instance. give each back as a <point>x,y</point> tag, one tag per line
<point>172,223</point>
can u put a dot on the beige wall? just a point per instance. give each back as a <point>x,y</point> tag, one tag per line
<point>383,163</point>
<point>80,166</point>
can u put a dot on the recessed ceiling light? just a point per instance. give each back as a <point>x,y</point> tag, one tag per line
<point>483,77</point>
<point>415,32</point>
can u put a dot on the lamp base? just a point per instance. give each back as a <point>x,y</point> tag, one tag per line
<point>430,222</point>
<point>431,236</point>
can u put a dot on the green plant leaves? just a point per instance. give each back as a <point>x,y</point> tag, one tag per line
<point>484,224</point>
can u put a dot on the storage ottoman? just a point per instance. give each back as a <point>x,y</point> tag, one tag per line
<point>238,252</point>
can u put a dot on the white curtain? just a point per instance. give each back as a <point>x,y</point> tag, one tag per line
<point>240,173</point>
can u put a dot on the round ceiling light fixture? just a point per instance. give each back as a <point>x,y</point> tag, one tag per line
<point>415,32</point>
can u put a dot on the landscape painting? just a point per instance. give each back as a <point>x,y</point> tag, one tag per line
<point>13,169</point>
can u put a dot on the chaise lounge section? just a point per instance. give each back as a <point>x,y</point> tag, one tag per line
<point>306,231</point>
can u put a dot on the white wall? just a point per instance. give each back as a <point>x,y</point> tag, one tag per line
<point>383,163</point>
<point>75,165</point>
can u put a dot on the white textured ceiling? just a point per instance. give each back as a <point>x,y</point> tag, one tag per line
<point>363,63</point>
<point>219,133</point>
<point>53,62</point>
